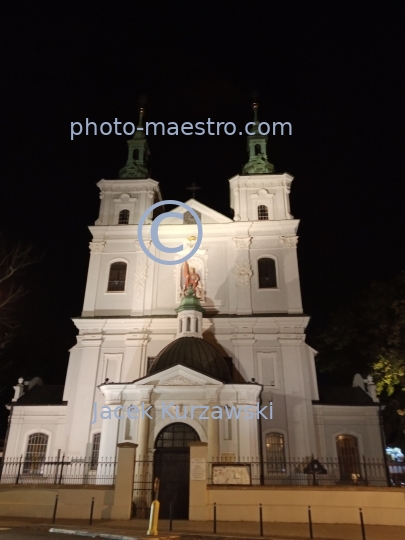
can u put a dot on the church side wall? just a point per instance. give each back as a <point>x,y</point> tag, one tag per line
<point>361,422</point>
<point>25,421</point>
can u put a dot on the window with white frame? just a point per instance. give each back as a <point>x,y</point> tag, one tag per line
<point>275,453</point>
<point>35,454</point>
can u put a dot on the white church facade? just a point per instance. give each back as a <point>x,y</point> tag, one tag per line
<point>232,338</point>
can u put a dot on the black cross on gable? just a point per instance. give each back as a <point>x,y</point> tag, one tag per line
<point>193,188</point>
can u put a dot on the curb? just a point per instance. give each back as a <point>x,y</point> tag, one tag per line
<point>92,534</point>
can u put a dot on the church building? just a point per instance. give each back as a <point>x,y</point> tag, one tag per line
<point>210,350</point>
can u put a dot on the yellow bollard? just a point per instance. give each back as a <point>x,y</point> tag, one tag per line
<point>154,511</point>
<point>154,518</point>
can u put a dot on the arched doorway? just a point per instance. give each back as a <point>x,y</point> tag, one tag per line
<point>172,467</point>
<point>348,457</point>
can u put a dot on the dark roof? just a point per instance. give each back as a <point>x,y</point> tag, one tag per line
<point>51,394</point>
<point>194,353</point>
<point>330,395</point>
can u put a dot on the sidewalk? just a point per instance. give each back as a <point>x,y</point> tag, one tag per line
<point>292,531</point>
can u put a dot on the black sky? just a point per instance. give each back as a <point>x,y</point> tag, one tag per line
<point>334,70</point>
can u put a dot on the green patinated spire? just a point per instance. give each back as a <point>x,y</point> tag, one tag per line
<point>190,301</point>
<point>138,153</point>
<point>257,148</point>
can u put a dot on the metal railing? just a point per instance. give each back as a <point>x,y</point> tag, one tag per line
<point>143,488</point>
<point>299,472</point>
<point>58,470</point>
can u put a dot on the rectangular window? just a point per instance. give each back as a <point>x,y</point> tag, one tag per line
<point>267,273</point>
<point>95,450</point>
<point>116,279</point>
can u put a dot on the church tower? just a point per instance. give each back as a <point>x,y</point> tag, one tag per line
<point>257,148</point>
<point>138,153</point>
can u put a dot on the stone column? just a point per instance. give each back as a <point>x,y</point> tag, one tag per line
<point>291,274</point>
<point>243,209</point>
<point>124,481</point>
<point>140,278</point>
<point>198,508</point>
<point>213,438</point>
<point>108,445</point>
<point>96,250</point>
<point>142,466</point>
<point>143,434</point>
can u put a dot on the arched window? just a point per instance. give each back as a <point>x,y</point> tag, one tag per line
<point>275,454</point>
<point>35,454</point>
<point>116,279</point>
<point>262,212</point>
<point>267,273</point>
<point>95,450</point>
<point>176,435</point>
<point>136,153</point>
<point>180,324</point>
<point>258,149</point>
<point>348,457</point>
<point>196,325</point>
<point>123,218</point>
<point>188,324</point>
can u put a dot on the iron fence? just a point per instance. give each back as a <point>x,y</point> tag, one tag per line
<point>58,470</point>
<point>299,472</point>
<point>143,488</point>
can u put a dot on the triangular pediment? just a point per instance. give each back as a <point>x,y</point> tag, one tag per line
<point>178,376</point>
<point>208,215</point>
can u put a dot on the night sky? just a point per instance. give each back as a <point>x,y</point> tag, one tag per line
<point>333,70</point>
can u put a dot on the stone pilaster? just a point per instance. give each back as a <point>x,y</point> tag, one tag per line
<point>96,250</point>
<point>243,273</point>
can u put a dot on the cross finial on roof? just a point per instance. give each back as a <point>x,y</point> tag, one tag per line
<point>193,188</point>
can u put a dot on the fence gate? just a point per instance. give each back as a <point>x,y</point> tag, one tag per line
<point>143,489</point>
<point>172,467</point>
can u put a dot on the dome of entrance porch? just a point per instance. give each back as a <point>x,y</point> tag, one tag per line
<point>194,353</point>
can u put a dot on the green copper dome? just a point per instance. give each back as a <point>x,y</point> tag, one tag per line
<point>257,148</point>
<point>194,353</point>
<point>190,301</point>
